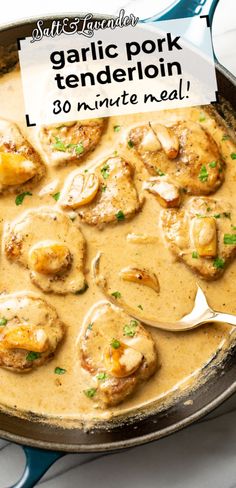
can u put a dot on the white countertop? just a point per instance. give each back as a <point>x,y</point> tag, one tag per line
<point>202,455</point>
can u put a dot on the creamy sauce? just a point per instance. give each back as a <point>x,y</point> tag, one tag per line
<point>180,355</point>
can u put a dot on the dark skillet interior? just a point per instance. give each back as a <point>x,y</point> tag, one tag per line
<point>220,385</point>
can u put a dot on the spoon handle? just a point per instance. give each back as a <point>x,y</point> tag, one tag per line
<point>224,317</point>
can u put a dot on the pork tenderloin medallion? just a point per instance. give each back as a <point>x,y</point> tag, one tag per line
<point>102,195</point>
<point>184,151</point>
<point>48,244</point>
<point>118,352</point>
<point>20,165</point>
<point>30,331</point>
<point>71,141</point>
<point>201,235</point>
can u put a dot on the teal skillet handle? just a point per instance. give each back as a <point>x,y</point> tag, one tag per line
<point>38,461</point>
<point>190,9</point>
<point>186,8</point>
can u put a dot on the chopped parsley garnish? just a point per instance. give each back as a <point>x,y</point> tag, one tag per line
<point>195,255</point>
<point>56,196</point>
<point>230,239</point>
<point>90,326</point>
<point>130,144</point>
<point>58,370</point>
<point>115,343</point>
<point>130,329</point>
<point>225,137</point>
<point>208,209</point>
<point>160,173</point>
<point>102,376</point>
<point>105,171</point>
<point>140,306</point>
<point>116,294</point>
<point>90,392</point>
<point>233,155</point>
<point>203,175</point>
<point>3,321</point>
<point>213,164</point>
<point>115,153</point>
<point>82,290</point>
<point>116,128</point>
<point>202,117</point>
<point>103,188</point>
<point>20,198</point>
<point>219,263</point>
<point>120,215</point>
<point>79,148</point>
<point>227,215</point>
<point>31,356</point>
<point>59,144</point>
<point>233,227</point>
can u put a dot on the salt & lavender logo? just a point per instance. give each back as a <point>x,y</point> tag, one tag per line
<point>85,26</point>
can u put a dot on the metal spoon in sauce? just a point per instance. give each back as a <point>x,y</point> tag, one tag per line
<point>201,313</point>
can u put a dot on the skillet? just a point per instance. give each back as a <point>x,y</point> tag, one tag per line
<point>51,442</point>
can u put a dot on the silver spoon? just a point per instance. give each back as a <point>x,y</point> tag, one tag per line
<point>201,313</point>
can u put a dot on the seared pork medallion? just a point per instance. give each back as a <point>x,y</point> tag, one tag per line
<point>104,194</point>
<point>184,151</point>
<point>201,235</point>
<point>118,352</point>
<point>20,165</point>
<point>51,247</point>
<point>71,141</point>
<point>30,331</point>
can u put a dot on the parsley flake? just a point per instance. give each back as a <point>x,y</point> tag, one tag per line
<point>58,370</point>
<point>105,171</point>
<point>130,329</point>
<point>213,164</point>
<point>59,144</point>
<point>56,196</point>
<point>102,376</point>
<point>202,117</point>
<point>225,137</point>
<point>230,239</point>
<point>195,255</point>
<point>203,175</point>
<point>116,294</point>
<point>3,321</point>
<point>160,173</point>
<point>115,343</point>
<point>31,356</point>
<point>20,198</point>
<point>116,128</point>
<point>90,392</point>
<point>140,306</point>
<point>120,216</point>
<point>130,144</point>
<point>233,155</point>
<point>219,263</point>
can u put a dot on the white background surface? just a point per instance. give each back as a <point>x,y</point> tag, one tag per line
<point>201,456</point>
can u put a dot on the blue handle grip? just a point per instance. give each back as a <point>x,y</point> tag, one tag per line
<point>186,8</point>
<point>37,463</point>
